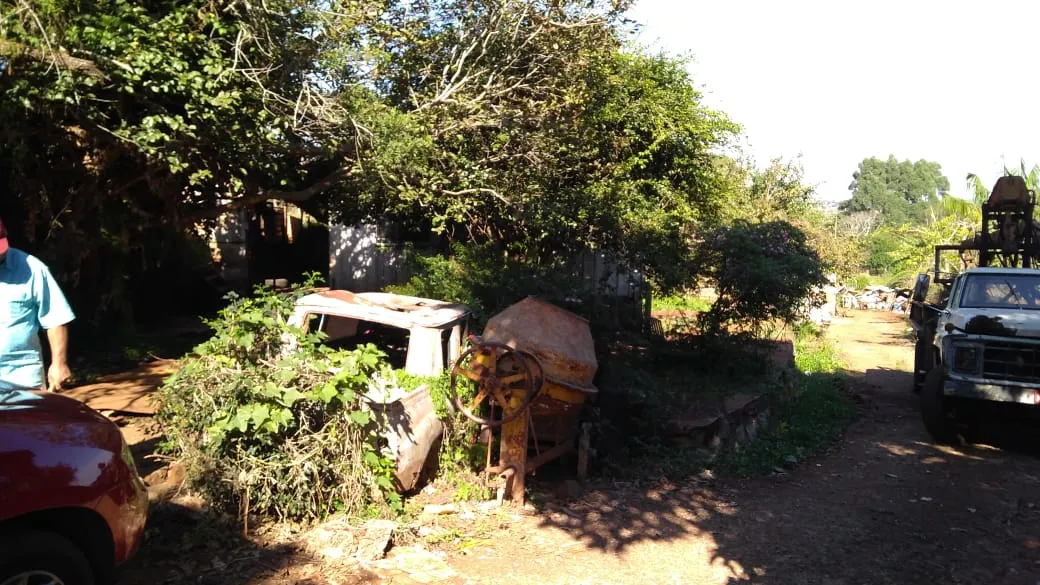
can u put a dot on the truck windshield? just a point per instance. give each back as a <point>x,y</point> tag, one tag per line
<point>1001,291</point>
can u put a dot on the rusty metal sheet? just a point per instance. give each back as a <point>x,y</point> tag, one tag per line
<point>387,308</point>
<point>412,430</point>
<point>129,392</point>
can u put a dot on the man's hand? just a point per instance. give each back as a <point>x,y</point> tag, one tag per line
<point>57,374</point>
<point>59,370</point>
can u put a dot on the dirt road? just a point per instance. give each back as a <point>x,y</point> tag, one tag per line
<point>884,506</point>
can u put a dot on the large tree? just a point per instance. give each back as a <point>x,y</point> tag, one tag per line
<point>899,190</point>
<point>521,122</point>
<point>613,151</point>
<point>779,192</point>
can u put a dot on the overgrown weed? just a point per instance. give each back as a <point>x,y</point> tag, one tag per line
<point>272,429</point>
<point>807,422</point>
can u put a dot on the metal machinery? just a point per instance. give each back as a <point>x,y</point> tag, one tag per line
<point>531,372</point>
<point>1009,238</point>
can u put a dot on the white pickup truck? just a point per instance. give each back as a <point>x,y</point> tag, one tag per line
<point>978,353</point>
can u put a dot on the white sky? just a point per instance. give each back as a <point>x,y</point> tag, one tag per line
<point>838,81</point>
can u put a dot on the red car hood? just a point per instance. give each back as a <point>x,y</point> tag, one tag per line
<point>43,408</point>
<point>54,450</point>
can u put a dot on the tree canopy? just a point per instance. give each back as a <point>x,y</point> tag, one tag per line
<point>532,125</point>
<point>899,190</point>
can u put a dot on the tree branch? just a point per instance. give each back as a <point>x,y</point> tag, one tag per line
<point>496,194</point>
<point>58,57</point>
<point>267,195</point>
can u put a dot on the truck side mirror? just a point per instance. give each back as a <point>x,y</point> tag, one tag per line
<point>921,287</point>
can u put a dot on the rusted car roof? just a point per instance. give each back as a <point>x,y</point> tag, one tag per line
<point>386,308</point>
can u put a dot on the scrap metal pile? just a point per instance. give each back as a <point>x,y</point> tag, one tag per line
<point>877,298</point>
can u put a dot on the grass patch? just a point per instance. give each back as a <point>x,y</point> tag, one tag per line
<point>805,423</point>
<point>815,355</point>
<point>680,302</point>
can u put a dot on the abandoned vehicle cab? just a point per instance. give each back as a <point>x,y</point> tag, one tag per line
<point>422,336</point>
<point>982,350</point>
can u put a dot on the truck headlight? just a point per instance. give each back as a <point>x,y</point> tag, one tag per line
<point>966,358</point>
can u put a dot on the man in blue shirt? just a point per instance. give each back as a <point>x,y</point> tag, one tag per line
<point>30,300</point>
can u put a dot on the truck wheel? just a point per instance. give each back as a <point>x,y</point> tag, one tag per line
<point>935,410</point>
<point>43,558</point>
<point>922,364</point>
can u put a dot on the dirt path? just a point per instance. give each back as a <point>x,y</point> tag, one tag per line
<point>884,506</point>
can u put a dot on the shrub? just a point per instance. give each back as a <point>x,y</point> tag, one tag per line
<point>762,273</point>
<point>488,280</point>
<point>266,430</point>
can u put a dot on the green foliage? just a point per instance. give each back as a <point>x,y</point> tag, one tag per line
<point>805,423</point>
<point>526,125</point>
<point>124,122</point>
<point>762,273</point>
<point>814,355</point>
<point>486,280</point>
<point>777,192</point>
<point>900,190</point>
<point>681,302</point>
<point>882,246</point>
<point>613,154</point>
<point>269,430</point>
<point>840,252</point>
<point>914,253</point>
<point>460,453</point>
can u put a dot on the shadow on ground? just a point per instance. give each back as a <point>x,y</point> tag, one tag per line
<point>184,545</point>
<point>142,452</point>
<point>888,507</point>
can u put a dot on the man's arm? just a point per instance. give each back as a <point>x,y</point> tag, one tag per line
<point>58,372</point>
<point>53,314</point>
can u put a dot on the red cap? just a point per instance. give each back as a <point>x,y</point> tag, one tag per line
<point>3,238</point>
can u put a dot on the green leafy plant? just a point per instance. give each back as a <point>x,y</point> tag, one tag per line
<point>762,273</point>
<point>806,421</point>
<point>488,280</point>
<point>269,420</point>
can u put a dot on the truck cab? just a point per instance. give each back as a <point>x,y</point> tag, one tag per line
<point>978,349</point>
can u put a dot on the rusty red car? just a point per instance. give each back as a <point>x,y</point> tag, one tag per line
<point>72,505</point>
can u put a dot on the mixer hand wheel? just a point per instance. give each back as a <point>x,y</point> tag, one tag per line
<point>502,376</point>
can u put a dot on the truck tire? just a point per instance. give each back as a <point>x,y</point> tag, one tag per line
<point>935,410</point>
<point>923,363</point>
<point>924,358</point>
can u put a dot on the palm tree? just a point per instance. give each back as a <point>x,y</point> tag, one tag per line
<point>973,209</point>
<point>1032,177</point>
<point>978,188</point>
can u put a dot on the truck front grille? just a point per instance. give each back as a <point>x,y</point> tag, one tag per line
<point>1018,362</point>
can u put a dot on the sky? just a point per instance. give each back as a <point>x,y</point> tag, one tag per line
<point>837,82</point>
